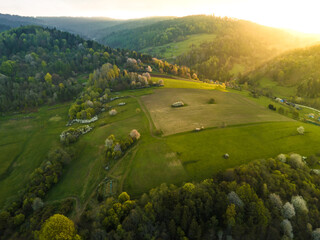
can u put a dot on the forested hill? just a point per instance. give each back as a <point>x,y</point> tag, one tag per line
<point>298,69</point>
<point>39,65</point>
<point>8,21</point>
<point>90,28</point>
<point>96,28</point>
<point>232,42</point>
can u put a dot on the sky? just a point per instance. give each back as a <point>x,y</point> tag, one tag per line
<point>299,15</point>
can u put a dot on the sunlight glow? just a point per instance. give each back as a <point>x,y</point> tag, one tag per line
<point>290,14</point>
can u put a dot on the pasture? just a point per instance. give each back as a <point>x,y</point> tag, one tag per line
<point>82,175</point>
<point>25,140</point>
<point>172,50</point>
<point>195,156</point>
<point>229,109</point>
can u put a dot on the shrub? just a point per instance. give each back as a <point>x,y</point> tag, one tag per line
<point>135,134</point>
<point>113,112</point>
<point>123,197</point>
<point>288,210</point>
<point>160,82</point>
<point>296,161</point>
<point>271,107</point>
<point>109,141</point>
<point>299,204</point>
<point>211,101</point>
<point>300,130</point>
<point>282,158</point>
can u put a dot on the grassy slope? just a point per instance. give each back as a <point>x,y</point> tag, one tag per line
<point>172,50</point>
<point>87,171</point>
<point>24,145</point>
<point>154,160</point>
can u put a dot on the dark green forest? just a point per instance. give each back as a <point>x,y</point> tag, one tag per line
<point>266,199</point>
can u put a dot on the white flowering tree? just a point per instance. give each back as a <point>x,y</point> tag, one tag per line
<point>299,204</point>
<point>300,130</point>
<point>316,234</point>
<point>296,160</point>
<point>135,134</point>
<point>276,200</point>
<point>113,112</point>
<point>147,75</point>
<point>109,141</point>
<point>282,158</point>
<point>287,228</point>
<point>235,199</point>
<point>149,69</point>
<point>288,210</point>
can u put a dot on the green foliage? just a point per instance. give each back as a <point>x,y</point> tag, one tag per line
<point>58,227</point>
<point>198,210</point>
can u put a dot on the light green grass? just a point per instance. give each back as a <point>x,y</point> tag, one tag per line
<point>87,170</point>
<point>24,145</point>
<point>201,153</point>
<point>171,50</point>
<point>277,90</point>
<point>179,83</point>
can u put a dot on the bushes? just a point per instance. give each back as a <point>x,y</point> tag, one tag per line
<point>211,101</point>
<point>116,148</point>
<point>300,130</point>
<point>113,112</point>
<point>295,161</point>
<point>71,135</point>
<point>271,107</point>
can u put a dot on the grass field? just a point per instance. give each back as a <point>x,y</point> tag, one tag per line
<point>25,140</point>
<point>171,50</point>
<point>229,109</point>
<point>181,155</point>
<point>196,156</point>
<point>87,171</point>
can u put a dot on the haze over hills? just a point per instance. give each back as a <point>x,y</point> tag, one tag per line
<point>167,128</point>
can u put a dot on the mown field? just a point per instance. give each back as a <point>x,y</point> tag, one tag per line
<point>229,109</point>
<point>25,140</point>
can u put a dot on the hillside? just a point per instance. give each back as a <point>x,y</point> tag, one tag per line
<point>43,66</point>
<point>89,28</point>
<point>293,74</point>
<point>216,47</point>
<point>8,21</point>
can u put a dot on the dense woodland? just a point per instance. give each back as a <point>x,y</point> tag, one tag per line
<point>267,199</point>
<point>40,65</point>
